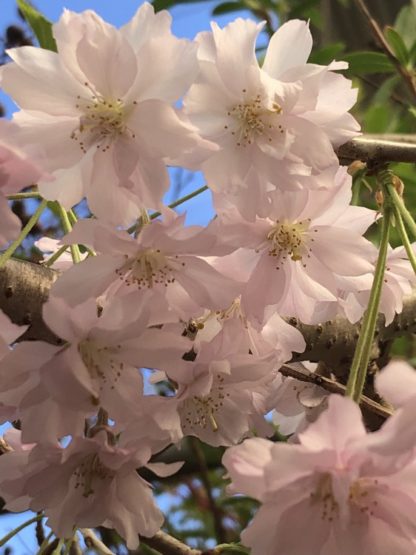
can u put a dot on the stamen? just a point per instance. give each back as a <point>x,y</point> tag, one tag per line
<point>289,239</point>
<point>102,121</point>
<point>149,268</point>
<point>201,411</point>
<point>254,119</point>
<point>101,362</point>
<point>88,472</point>
<point>323,497</point>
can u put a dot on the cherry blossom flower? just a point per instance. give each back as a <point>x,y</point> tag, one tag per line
<point>239,334</point>
<point>9,332</point>
<point>396,382</point>
<point>49,247</point>
<point>296,404</point>
<point>347,499</point>
<point>293,253</point>
<point>91,482</point>
<point>221,397</point>
<point>280,119</point>
<point>166,260</point>
<point>399,280</point>
<point>102,110</point>
<point>56,388</point>
<point>17,170</point>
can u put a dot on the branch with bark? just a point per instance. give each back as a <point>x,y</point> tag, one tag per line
<point>24,288</point>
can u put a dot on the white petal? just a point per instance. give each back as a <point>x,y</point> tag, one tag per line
<point>289,47</point>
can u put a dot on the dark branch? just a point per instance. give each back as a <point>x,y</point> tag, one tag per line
<point>407,75</point>
<point>375,150</point>
<point>24,287</point>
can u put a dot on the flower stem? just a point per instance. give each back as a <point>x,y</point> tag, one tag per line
<point>45,544</point>
<point>54,257</point>
<point>23,234</point>
<point>72,217</point>
<point>66,224</point>
<point>11,534</point>
<point>399,204</point>
<point>182,200</point>
<point>358,372</point>
<point>23,196</point>
<point>226,548</point>
<point>58,548</point>
<point>404,237</point>
<point>173,205</point>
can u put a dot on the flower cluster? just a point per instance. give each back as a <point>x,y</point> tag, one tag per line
<point>201,307</point>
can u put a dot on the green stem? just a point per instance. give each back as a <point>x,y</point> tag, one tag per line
<point>399,203</point>
<point>358,372</point>
<point>23,234</point>
<point>66,224</point>
<point>404,237</point>
<point>58,548</point>
<point>72,217</point>
<point>22,196</point>
<point>45,544</point>
<point>174,205</point>
<point>11,534</point>
<point>54,257</point>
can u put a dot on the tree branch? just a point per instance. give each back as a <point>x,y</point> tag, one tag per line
<point>24,287</point>
<point>378,34</point>
<point>335,387</point>
<point>377,150</point>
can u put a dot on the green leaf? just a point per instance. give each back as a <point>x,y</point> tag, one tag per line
<point>227,7</point>
<point>397,45</point>
<point>405,25</point>
<point>327,54</point>
<point>41,26</point>
<point>385,90</point>
<point>362,63</point>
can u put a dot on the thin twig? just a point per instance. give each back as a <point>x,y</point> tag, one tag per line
<point>220,533</point>
<point>408,78</point>
<point>92,540</point>
<point>333,386</point>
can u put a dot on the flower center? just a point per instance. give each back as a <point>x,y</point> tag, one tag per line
<point>102,121</point>
<point>233,311</point>
<point>101,362</point>
<point>324,497</point>
<point>149,268</point>
<point>201,411</point>
<point>253,119</point>
<point>89,472</point>
<point>361,495</point>
<point>289,239</point>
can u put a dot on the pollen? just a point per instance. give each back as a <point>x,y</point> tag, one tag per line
<point>201,412</point>
<point>102,121</point>
<point>102,362</point>
<point>362,495</point>
<point>323,498</point>
<point>290,239</point>
<point>90,472</point>
<point>254,119</point>
<point>149,268</point>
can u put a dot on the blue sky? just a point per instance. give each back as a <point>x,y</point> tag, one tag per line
<point>188,19</point>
